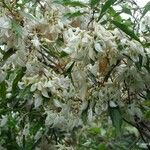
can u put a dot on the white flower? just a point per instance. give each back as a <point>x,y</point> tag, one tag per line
<point>85,40</point>
<point>92,53</point>
<point>49,84</point>
<point>1,56</point>
<point>45,92</point>
<point>68,50</point>
<point>112,104</point>
<point>26,129</point>
<point>98,47</point>
<point>50,118</point>
<point>102,131</point>
<point>8,95</point>
<point>33,87</point>
<point>37,100</point>
<point>4,23</point>
<point>87,143</point>
<point>38,135</point>
<point>90,115</point>
<point>84,106</point>
<point>2,75</point>
<point>57,103</point>
<point>36,42</point>
<point>3,121</point>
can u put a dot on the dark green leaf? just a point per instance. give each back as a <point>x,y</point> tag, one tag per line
<point>63,54</point>
<point>3,90</point>
<point>114,14</point>
<point>75,14</point>
<point>116,118</point>
<point>125,29</point>
<point>84,114</point>
<point>68,71</point>
<point>20,74</point>
<point>146,9</point>
<point>25,93</point>
<point>102,147</point>
<point>10,52</point>
<point>105,7</point>
<point>146,103</point>
<point>74,4</point>
<point>139,63</point>
<point>70,3</point>
<point>147,44</point>
<point>140,60</point>
<point>36,126</point>
<point>147,66</point>
<point>147,115</point>
<point>126,10</point>
<point>148,94</point>
<point>94,2</point>
<point>1,51</point>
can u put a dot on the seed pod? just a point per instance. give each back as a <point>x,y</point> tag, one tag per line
<point>103,65</point>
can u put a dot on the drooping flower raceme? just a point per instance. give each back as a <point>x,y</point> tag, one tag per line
<point>69,70</point>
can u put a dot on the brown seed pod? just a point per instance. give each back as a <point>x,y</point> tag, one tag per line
<point>76,23</point>
<point>103,65</point>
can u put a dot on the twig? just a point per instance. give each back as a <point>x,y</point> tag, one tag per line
<point>6,6</point>
<point>91,20</point>
<point>111,70</point>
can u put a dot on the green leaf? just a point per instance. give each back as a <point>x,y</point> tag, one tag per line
<point>10,52</point>
<point>146,103</point>
<point>114,14</point>
<point>74,4</point>
<point>94,130</point>
<point>147,94</point>
<point>116,117</point>
<point>68,71</point>
<point>94,2</point>
<point>146,44</point>
<point>146,9</point>
<point>1,51</point>
<point>147,114</point>
<point>70,3</point>
<point>20,74</point>
<point>29,16</point>
<point>63,54</point>
<point>35,127</point>
<point>105,7</point>
<point>139,62</point>
<point>25,93</point>
<point>25,1</point>
<point>126,10</point>
<point>125,29</point>
<point>92,77</point>
<point>3,90</point>
<point>102,147</point>
<point>84,113</point>
<point>147,65</point>
<point>17,29</point>
<point>75,14</point>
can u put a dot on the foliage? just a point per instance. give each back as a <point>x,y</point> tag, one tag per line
<point>74,75</point>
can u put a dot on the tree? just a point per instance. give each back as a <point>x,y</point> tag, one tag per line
<point>74,75</point>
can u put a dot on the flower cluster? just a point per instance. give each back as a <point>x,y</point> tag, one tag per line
<point>68,67</point>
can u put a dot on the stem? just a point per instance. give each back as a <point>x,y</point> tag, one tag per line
<point>6,6</point>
